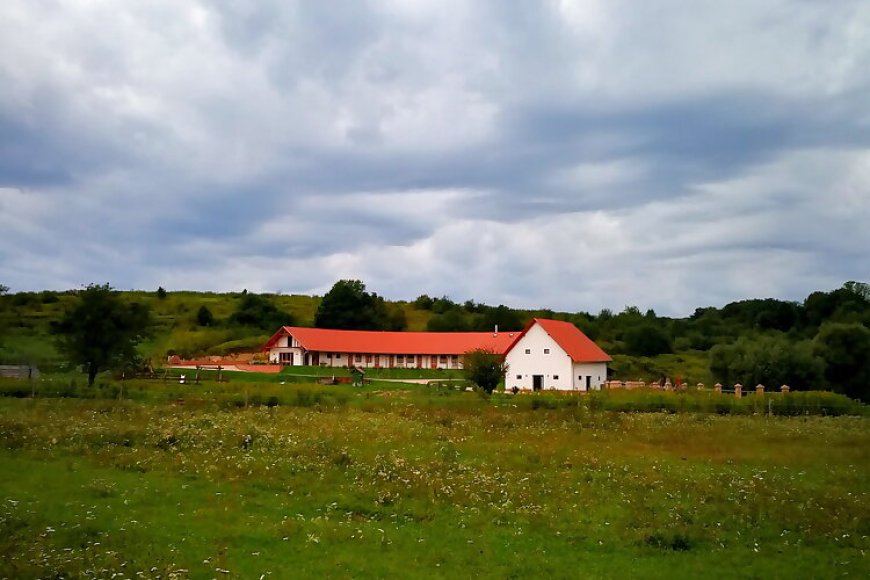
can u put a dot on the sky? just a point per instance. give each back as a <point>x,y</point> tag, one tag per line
<point>571,155</point>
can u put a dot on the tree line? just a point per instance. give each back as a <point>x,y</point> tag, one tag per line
<point>820,342</point>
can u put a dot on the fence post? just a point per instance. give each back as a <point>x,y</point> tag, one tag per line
<point>759,389</point>
<point>738,390</point>
<point>700,386</point>
<point>784,389</point>
<point>718,387</point>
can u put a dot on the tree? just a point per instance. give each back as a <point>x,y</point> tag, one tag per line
<point>259,312</point>
<point>846,350</point>
<point>423,302</point>
<point>204,317</point>
<point>484,368</point>
<point>161,293</point>
<point>647,339</point>
<point>769,360</point>
<point>451,321</point>
<point>861,289</point>
<point>3,289</point>
<point>501,316</point>
<point>101,331</point>
<point>348,306</point>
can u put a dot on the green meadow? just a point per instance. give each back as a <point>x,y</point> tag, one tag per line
<point>233,480</point>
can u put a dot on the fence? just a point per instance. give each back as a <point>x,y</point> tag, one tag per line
<point>737,390</point>
<point>19,372</point>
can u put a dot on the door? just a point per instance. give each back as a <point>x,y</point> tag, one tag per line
<point>537,382</point>
<point>588,382</point>
<point>419,361</point>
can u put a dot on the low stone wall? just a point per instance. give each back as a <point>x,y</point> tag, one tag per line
<point>737,390</point>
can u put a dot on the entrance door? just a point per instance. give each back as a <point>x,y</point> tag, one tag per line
<point>588,382</point>
<point>537,382</point>
<point>419,361</point>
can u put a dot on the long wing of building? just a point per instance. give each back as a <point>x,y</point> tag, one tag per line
<point>547,354</point>
<point>293,345</point>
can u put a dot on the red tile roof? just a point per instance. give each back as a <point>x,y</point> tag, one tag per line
<point>380,342</point>
<point>579,347</point>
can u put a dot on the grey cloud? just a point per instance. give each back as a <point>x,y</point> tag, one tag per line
<point>572,155</point>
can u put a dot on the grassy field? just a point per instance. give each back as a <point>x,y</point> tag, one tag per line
<point>336,481</point>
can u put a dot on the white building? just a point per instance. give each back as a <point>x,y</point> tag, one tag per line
<point>296,346</point>
<point>551,354</point>
<point>546,355</point>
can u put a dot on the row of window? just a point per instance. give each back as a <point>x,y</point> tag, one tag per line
<point>400,358</point>
<point>556,377</point>
<point>546,351</point>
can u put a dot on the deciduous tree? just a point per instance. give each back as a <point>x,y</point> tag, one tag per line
<point>348,306</point>
<point>846,350</point>
<point>101,330</point>
<point>204,317</point>
<point>484,368</point>
<point>769,360</point>
<point>259,312</point>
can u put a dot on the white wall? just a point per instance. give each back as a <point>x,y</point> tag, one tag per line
<point>275,355</point>
<point>557,368</point>
<point>528,357</point>
<point>597,373</point>
<point>341,359</point>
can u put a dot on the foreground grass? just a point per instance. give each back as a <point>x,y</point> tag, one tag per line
<point>400,485</point>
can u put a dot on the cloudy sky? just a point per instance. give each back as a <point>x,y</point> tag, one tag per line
<point>573,155</point>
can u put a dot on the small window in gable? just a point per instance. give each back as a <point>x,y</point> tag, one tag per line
<point>546,351</point>
<point>555,377</point>
<point>528,351</point>
<point>519,377</point>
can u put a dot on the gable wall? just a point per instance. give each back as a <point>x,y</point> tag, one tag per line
<point>556,367</point>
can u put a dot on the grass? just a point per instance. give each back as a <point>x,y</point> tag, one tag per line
<point>373,373</point>
<point>338,481</point>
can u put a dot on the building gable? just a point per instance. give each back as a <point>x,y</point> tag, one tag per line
<point>570,339</point>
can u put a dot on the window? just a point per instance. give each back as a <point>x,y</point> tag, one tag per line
<point>528,351</point>
<point>555,377</point>
<point>368,358</point>
<point>358,358</point>
<point>329,355</point>
<point>400,359</point>
<point>546,351</point>
<point>519,377</point>
<point>579,377</point>
<point>444,359</point>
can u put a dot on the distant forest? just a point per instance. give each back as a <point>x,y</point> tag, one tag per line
<point>821,342</point>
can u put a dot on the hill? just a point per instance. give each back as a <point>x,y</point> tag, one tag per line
<point>714,343</point>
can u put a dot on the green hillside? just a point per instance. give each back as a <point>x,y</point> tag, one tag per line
<point>822,342</point>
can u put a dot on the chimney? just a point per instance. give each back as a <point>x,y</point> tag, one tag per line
<point>496,329</point>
